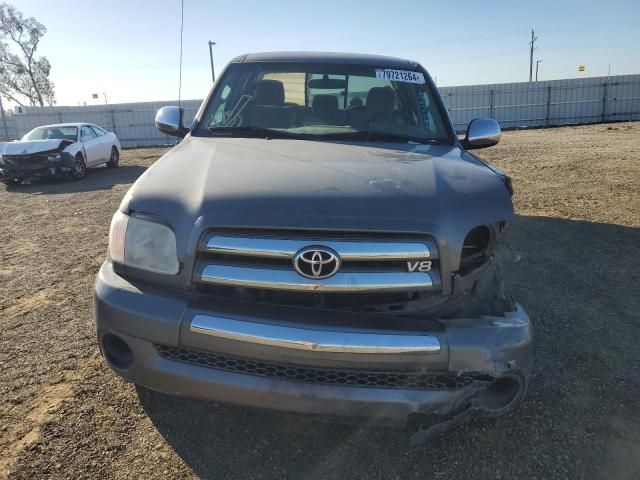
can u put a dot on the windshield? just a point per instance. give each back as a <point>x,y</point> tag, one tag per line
<point>48,133</point>
<point>324,101</point>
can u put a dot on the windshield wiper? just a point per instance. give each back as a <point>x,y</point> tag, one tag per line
<point>260,132</point>
<point>248,131</point>
<point>375,135</point>
<point>382,136</point>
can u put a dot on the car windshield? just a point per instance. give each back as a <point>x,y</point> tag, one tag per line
<point>324,101</point>
<point>48,133</point>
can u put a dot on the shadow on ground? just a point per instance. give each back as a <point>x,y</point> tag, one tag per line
<point>98,178</point>
<point>579,281</point>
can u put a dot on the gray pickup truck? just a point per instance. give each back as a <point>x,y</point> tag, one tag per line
<point>320,241</point>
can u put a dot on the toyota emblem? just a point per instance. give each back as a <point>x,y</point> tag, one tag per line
<point>316,262</point>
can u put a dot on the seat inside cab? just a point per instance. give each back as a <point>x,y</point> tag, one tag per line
<point>284,101</point>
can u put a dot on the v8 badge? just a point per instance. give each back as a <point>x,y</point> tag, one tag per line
<point>419,266</point>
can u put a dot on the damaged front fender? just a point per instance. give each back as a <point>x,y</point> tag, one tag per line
<point>501,348</point>
<point>493,345</point>
<point>19,160</point>
<point>480,399</point>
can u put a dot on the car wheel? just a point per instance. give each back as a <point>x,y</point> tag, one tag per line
<point>114,160</point>
<point>79,169</point>
<point>12,182</point>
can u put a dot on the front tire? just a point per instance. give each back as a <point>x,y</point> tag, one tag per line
<point>79,169</point>
<point>114,160</point>
<point>13,182</point>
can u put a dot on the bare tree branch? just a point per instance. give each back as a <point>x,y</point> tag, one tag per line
<point>21,73</point>
<point>10,96</point>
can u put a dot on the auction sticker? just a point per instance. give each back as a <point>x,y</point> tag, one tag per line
<point>399,75</point>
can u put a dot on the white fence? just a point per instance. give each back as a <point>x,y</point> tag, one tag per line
<point>553,102</point>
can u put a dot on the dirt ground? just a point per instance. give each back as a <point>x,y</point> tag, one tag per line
<point>575,267</point>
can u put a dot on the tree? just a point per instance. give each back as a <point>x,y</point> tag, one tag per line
<point>23,76</point>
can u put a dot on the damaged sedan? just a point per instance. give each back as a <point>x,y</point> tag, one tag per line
<point>321,242</point>
<point>61,149</point>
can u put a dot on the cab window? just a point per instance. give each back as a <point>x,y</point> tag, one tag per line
<point>97,130</point>
<point>325,101</point>
<point>86,134</point>
<point>293,85</point>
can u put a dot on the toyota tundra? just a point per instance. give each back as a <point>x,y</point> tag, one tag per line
<point>320,241</point>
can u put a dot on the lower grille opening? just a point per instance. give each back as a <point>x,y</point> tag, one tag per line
<point>358,378</point>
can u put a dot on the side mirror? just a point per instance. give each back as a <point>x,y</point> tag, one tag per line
<point>169,121</point>
<point>482,133</point>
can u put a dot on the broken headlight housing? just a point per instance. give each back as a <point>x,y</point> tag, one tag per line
<point>142,243</point>
<point>476,249</point>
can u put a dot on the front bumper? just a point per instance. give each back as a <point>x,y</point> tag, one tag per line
<point>34,166</point>
<point>144,318</point>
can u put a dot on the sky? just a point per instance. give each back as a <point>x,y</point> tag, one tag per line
<point>130,50</point>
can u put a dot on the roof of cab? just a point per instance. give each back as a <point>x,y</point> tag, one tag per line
<point>326,57</point>
<point>71,124</point>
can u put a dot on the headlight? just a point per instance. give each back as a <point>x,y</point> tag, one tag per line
<point>54,158</point>
<point>143,244</point>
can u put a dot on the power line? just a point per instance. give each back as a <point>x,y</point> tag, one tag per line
<point>531,49</point>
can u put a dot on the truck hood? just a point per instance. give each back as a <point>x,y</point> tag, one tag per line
<point>298,184</point>
<point>33,146</point>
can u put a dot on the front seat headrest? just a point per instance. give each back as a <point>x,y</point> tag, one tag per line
<point>325,105</point>
<point>269,92</point>
<point>380,101</point>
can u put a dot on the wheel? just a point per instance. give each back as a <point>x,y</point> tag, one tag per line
<point>79,168</point>
<point>114,160</point>
<point>12,182</point>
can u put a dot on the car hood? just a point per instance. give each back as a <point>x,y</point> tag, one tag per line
<point>297,184</point>
<point>33,146</point>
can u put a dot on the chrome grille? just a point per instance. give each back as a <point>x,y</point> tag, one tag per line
<point>265,262</point>
<point>286,248</point>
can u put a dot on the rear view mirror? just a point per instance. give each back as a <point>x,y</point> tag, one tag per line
<point>482,133</point>
<point>169,121</point>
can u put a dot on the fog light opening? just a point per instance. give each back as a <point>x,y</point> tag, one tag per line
<point>502,394</point>
<point>117,352</point>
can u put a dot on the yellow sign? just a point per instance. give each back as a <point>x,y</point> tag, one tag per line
<point>95,95</point>
<point>581,68</point>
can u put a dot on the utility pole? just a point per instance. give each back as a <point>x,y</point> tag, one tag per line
<point>531,49</point>
<point>211,44</point>
<point>105,98</point>
<point>538,62</point>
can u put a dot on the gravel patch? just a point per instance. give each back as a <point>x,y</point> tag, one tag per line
<point>573,263</point>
